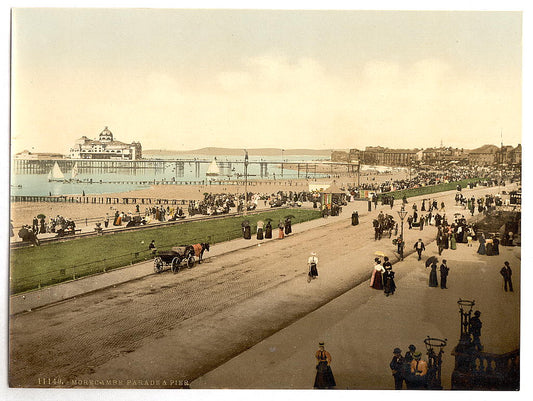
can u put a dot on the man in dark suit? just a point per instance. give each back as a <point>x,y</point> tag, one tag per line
<point>397,368</point>
<point>419,246</point>
<point>506,272</point>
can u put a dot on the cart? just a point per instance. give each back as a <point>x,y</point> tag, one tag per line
<point>175,258</point>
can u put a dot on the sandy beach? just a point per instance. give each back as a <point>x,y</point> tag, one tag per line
<point>23,212</point>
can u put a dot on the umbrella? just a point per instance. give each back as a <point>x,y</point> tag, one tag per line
<point>41,216</point>
<point>245,223</point>
<point>379,253</point>
<point>290,216</point>
<point>268,219</point>
<point>430,260</point>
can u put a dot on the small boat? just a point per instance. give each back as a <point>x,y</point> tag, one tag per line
<point>213,169</point>
<point>56,174</point>
<point>74,171</point>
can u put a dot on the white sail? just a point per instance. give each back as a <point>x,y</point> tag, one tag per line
<point>213,168</point>
<point>50,175</point>
<point>57,175</point>
<point>75,170</point>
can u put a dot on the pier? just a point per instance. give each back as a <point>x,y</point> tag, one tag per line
<point>303,168</point>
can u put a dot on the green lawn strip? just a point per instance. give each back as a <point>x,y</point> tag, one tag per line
<point>430,189</point>
<point>56,262</point>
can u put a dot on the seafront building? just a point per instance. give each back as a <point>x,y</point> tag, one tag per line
<point>106,147</point>
<point>486,155</point>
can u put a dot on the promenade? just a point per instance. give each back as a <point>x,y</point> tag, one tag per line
<point>362,327</point>
<point>242,299</point>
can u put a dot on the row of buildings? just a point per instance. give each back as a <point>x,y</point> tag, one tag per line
<point>486,155</point>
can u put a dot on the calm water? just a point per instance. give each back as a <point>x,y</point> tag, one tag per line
<point>38,185</point>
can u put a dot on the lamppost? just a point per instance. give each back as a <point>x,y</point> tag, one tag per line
<point>282,150</point>
<point>465,340</point>
<point>464,351</point>
<point>434,361</point>
<point>402,213</point>
<point>245,182</point>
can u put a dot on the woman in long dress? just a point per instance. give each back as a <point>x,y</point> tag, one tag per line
<point>355,218</point>
<point>433,282</point>
<point>495,246</point>
<point>313,263</point>
<point>453,242</point>
<point>288,226</point>
<point>324,376</point>
<point>376,281</point>
<point>268,230</point>
<point>389,286</point>
<point>281,233</point>
<point>481,249</point>
<point>260,225</point>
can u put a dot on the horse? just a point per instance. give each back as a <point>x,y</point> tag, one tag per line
<point>199,250</point>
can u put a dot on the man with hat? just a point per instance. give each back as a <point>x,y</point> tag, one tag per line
<point>419,370</point>
<point>506,273</point>
<point>396,366</point>
<point>475,330</point>
<point>419,246</point>
<point>409,354</point>
<point>324,376</point>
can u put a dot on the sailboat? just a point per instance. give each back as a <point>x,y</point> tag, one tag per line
<point>75,171</point>
<point>213,169</point>
<point>55,174</point>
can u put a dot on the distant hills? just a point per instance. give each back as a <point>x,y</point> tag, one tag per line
<point>240,152</point>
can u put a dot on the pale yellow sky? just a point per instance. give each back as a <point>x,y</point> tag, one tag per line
<point>184,79</point>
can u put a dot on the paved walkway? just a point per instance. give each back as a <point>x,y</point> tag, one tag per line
<point>362,327</point>
<point>48,295</point>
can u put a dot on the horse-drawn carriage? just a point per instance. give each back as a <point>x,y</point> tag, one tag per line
<point>178,256</point>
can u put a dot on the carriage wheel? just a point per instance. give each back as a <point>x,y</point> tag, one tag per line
<point>190,261</point>
<point>175,267</point>
<point>158,265</point>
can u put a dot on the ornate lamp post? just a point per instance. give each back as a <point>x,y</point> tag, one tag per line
<point>465,309</point>
<point>245,182</point>
<point>434,361</point>
<point>402,213</point>
<point>464,351</point>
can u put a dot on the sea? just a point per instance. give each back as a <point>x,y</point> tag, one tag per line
<point>98,182</point>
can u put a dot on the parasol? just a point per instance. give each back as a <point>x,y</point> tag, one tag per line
<point>41,216</point>
<point>268,219</point>
<point>290,216</point>
<point>431,259</point>
<point>379,253</point>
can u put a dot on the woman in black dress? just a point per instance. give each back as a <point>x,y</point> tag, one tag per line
<point>389,286</point>
<point>433,282</point>
<point>355,218</point>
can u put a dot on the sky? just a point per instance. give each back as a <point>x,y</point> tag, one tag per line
<point>186,79</point>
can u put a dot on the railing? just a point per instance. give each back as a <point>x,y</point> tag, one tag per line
<point>486,371</point>
<point>35,281</point>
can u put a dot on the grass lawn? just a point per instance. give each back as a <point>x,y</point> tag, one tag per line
<point>430,189</point>
<point>35,267</point>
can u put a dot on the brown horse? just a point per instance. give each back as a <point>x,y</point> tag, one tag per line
<point>199,250</point>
